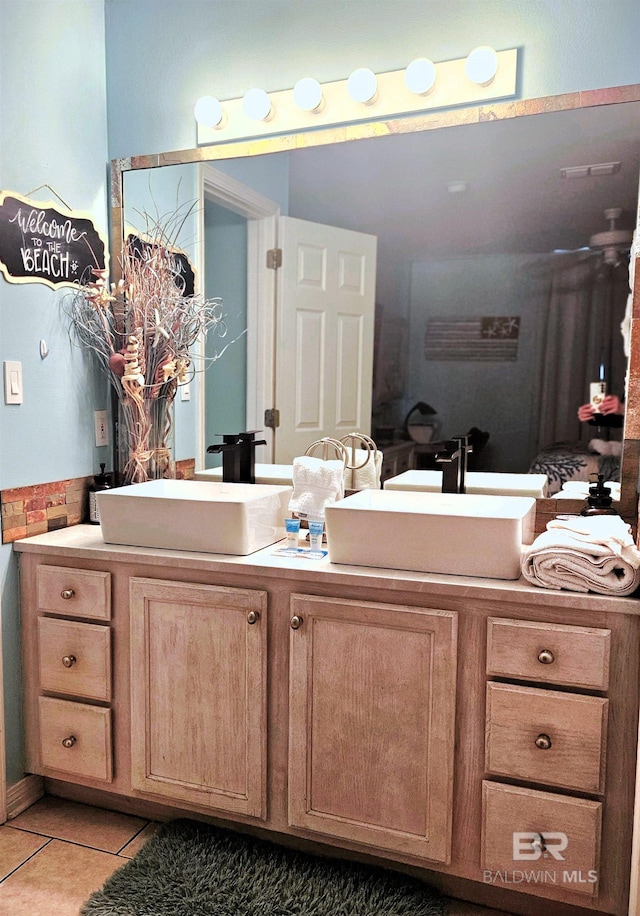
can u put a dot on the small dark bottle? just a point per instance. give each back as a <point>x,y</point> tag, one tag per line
<point>599,501</point>
<point>100,482</point>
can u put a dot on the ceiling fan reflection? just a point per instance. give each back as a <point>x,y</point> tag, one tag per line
<point>611,246</point>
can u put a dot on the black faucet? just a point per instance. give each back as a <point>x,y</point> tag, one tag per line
<point>454,464</point>
<point>238,456</point>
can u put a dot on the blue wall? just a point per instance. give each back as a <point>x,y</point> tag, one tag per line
<point>53,116</point>
<point>231,45</point>
<point>74,97</point>
<point>482,394</point>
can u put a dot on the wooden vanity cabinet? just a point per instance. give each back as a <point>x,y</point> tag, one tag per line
<point>555,839</point>
<point>548,715</point>
<point>547,736</point>
<point>397,457</point>
<point>392,717</point>
<point>68,663</point>
<point>372,723</point>
<point>198,694</point>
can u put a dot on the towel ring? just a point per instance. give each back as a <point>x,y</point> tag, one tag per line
<point>327,443</point>
<point>369,448</point>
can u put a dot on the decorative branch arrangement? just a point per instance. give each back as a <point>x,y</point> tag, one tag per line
<point>142,332</point>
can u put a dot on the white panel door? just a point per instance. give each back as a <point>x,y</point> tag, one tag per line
<point>324,350</point>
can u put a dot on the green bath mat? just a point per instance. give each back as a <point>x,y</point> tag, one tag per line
<point>193,869</point>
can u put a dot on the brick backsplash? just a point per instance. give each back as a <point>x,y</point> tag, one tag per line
<point>43,507</point>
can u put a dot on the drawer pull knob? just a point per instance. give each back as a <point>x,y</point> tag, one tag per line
<point>546,657</point>
<point>538,842</point>
<point>296,622</point>
<point>543,742</point>
<point>252,617</point>
<point>67,593</point>
<point>68,661</point>
<point>70,741</point>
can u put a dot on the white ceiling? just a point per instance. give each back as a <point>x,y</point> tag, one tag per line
<point>516,200</point>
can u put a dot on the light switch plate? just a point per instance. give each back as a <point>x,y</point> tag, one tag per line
<point>12,382</point>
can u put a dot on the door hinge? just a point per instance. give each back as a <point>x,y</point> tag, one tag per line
<point>272,418</point>
<point>274,258</point>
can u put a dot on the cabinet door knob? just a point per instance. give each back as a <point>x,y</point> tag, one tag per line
<point>70,741</point>
<point>538,842</point>
<point>252,617</point>
<point>546,657</point>
<point>68,660</point>
<point>543,742</point>
<point>296,622</point>
<point>67,593</point>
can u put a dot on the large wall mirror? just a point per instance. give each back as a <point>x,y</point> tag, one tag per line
<point>478,213</point>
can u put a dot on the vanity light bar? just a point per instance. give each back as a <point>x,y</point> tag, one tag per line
<point>452,86</point>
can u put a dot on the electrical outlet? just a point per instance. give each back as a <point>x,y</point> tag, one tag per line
<point>185,392</point>
<point>102,427</point>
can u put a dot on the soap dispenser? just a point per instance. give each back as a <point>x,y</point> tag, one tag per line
<point>599,501</point>
<point>100,482</point>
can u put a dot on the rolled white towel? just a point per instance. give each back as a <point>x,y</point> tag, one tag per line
<point>316,484</point>
<point>584,554</point>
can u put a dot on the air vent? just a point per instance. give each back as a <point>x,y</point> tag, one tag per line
<point>590,171</point>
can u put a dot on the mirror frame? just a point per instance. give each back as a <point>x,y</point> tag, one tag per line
<point>546,508</point>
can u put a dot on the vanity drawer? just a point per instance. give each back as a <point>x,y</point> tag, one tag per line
<point>75,738</point>
<point>548,652</point>
<point>545,736</point>
<point>554,836</point>
<point>75,658</point>
<point>74,592</point>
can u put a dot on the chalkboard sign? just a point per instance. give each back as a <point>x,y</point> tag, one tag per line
<point>184,272</point>
<point>42,243</point>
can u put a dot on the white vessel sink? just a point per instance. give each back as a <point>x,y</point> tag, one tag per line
<point>231,518</point>
<point>281,474</point>
<point>464,535</point>
<point>480,482</point>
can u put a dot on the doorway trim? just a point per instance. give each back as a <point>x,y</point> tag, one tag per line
<point>262,233</point>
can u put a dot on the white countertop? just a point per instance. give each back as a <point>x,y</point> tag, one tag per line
<point>86,542</point>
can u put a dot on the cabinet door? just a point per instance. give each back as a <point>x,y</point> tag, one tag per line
<point>198,694</point>
<point>372,717</point>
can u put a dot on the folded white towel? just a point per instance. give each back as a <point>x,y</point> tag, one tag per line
<point>573,489</point>
<point>584,554</point>
<point>367,470</point>
<point>316,484</point>
<point>602,447</point>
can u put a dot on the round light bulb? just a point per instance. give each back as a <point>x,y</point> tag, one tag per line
<point>307,94</point>
<point>208,112</point>
<point>256,105</point>
<point>481,65</point>
<point>362,86</point>
<point>420,76</point>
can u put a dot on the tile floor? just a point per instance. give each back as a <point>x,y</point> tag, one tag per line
<point>56,853</point>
